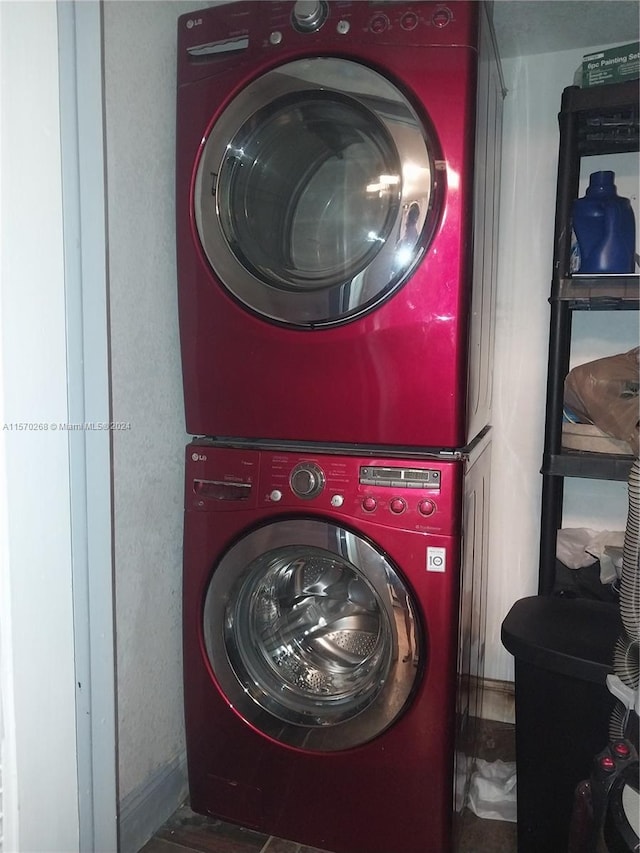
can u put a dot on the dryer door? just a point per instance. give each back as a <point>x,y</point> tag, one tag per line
<point>316,192</point>
<point>311,635</point>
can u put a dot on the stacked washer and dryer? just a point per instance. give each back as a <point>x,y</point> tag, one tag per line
<point>337,195</point>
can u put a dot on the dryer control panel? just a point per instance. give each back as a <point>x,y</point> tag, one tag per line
<point>409,494</point>
<point>209,40</point>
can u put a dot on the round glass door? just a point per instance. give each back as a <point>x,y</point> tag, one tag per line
<point>315,192</point>
<point>305,627</point>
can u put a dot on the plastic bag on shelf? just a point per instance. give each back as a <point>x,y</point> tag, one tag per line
<point>578,547</point>
<point>604,392</point>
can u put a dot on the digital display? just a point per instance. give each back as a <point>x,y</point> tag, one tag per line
<point>409,478</point>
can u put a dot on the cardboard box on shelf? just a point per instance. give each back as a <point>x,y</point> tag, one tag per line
<point>614,65</point>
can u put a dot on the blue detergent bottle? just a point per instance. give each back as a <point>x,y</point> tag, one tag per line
<point>604,228</point>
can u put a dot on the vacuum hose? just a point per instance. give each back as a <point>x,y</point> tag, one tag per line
<point>630,585</point>
<point>626,662</point>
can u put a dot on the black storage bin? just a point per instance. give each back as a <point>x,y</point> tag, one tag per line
<point>563,650</point>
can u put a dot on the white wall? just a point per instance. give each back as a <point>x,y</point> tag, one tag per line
<point>36,608</point>
<point>530,158</point>
<point>139,48</point>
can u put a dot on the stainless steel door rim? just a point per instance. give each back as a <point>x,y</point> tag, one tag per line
<point>303,189</point>
<point>300,629</point>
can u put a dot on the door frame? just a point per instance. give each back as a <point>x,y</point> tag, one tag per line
<point>85,246</point>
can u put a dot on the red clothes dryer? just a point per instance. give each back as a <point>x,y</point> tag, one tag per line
<point>333,641</point>
<point>329,157</point>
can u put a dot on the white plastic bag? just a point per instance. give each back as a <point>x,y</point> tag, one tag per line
<point>492,792</point>
<point>578,547</point>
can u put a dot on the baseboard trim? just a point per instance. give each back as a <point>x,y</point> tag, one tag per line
<point>143,811</point>
<point>498,700</point>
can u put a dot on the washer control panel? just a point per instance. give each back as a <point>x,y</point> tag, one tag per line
<point>420,495</point>
<point>396,495</point>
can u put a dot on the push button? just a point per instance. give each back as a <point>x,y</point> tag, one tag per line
<point>441,17</point>
<point>426,507</point>
<point>369,504</point>
<point>607,764</point>
<point>409,21</point>
<point>378,24</point>
<point>620,749</point>
<point>397,506</point>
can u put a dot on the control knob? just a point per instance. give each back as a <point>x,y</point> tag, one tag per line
<point>309,15</point>
<point>307,480</point>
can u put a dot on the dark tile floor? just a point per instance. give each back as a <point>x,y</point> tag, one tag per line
<point>187,832</point>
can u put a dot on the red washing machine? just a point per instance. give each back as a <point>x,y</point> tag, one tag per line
<point>333,641</point>
<point>329,157</point>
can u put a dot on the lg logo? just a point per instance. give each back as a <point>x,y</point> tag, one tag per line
<point>198,457</point>
<point>193,22</point>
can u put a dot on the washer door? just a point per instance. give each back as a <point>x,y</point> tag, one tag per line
<point>311,635</point>
<point>315,192</point>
